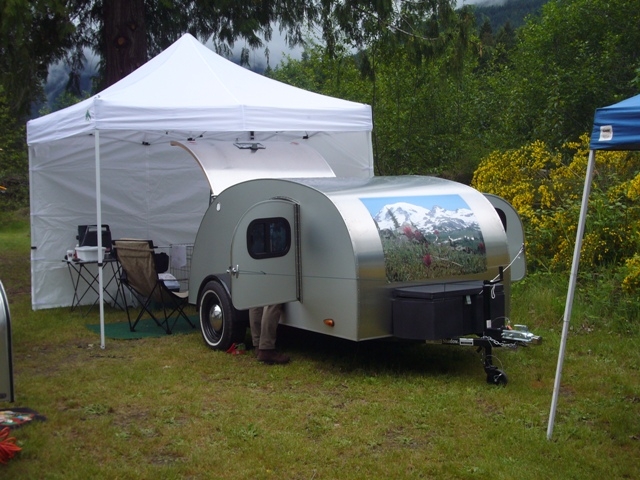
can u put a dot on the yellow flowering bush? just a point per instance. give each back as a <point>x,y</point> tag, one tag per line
<point>633,188</point>
<point>631,280</point>
<point>545,186</point>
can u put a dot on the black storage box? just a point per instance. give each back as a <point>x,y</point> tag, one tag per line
<point>88,236</point>
<point>440,311</point>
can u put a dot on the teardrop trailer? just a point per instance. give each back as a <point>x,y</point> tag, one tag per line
<point>410,257</point>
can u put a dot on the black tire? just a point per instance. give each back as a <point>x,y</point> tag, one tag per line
<point>497,377</point>
<point>220,323</point>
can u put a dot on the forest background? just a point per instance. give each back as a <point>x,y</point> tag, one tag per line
<point>506,108</point>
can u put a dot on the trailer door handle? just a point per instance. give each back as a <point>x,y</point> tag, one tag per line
<point>234,270</point>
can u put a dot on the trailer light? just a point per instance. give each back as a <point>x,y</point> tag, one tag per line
<point>329,322</point>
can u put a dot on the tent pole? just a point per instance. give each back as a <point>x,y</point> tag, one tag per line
<point>572,287</point>
<point>99,228</point>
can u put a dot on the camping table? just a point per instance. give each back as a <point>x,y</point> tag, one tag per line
<point>82,270</point>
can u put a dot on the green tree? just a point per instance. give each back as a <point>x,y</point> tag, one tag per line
<point>419,89</point>
<point>336,75</point>
<point>577,56</point>
<point>415,57</point>
<point>125,33</point>
<point>14,177</point>
<point>33,34</point>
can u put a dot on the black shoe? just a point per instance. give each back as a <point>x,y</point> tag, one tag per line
<point>271,357</point>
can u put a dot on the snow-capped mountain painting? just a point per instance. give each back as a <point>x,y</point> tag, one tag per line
<point>428,220</point>
<point>427,237</point>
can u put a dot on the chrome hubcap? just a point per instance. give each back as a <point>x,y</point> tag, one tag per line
<point>215,317</point>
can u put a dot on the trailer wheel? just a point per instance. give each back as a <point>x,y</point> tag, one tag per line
<point>497,377</point>
<point>220,323</point>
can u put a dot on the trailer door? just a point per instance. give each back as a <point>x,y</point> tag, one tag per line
<point>265,260</point>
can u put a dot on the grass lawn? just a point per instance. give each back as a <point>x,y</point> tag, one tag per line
<point>168,407</point>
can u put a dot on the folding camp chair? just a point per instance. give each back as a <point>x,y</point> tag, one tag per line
<point>137,259</point>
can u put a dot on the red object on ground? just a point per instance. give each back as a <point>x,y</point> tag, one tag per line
<point>8,447</point>
<point>236,349</point>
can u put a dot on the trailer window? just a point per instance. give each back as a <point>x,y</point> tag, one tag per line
<point>268,237</point>
<point>503,218</point>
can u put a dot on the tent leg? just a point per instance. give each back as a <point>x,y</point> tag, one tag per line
<point>99,223</point>
<point>572,287</point>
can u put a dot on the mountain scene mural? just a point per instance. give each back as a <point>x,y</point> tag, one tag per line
<point>427,237</point>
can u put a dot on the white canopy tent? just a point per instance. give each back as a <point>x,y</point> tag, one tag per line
<point>109,159</point>
<point>616,127</point>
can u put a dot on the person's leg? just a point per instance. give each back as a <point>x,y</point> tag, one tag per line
<point>267,347</point>
<point>255,323</point>
<point>269,327</point>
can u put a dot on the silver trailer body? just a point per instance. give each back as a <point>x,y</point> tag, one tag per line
<point>351,244</point>
<point>6,357</point>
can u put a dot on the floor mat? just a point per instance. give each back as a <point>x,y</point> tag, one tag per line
<point>16,417</point>
<point>146,328</point>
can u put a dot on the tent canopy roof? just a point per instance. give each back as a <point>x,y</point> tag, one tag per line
<point>617,127</point>
<point>188,87</point>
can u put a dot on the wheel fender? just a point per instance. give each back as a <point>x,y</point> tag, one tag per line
<point>223,279</point>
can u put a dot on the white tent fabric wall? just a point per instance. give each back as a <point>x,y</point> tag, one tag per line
<point>137,201</point>
<point>148,188</point>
